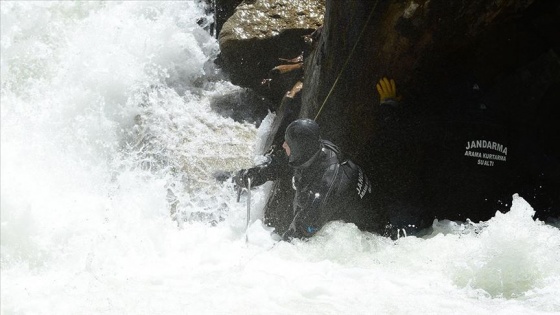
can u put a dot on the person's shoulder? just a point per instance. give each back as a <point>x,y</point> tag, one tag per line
<point>330,147</point>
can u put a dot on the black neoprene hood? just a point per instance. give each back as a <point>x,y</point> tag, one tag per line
<point>304,139</point>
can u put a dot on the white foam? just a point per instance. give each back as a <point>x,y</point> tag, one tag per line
<point>85,192</point>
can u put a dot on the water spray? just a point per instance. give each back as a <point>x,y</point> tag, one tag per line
<point>239,190</point>
<point>248,210</point>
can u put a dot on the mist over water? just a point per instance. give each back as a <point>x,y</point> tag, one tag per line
<point>108,204</point>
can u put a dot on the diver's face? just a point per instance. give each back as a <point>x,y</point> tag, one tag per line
<point>286,148</point>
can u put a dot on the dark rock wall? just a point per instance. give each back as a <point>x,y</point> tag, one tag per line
<point>401,39</point>
<point>223,10</point>
<point>428,47</point>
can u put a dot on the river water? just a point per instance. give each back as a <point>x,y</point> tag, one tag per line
<point>108,204</point>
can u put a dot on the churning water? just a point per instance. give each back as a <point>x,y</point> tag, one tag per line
<point>108,205</point>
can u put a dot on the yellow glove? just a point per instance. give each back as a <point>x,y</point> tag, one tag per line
<point>387,90</point>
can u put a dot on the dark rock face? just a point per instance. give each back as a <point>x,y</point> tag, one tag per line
<point>433,49</point>
<point>222,11</point>
<point>430,48</point>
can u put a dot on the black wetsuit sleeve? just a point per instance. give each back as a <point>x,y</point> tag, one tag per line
<point>276,164</point>
<point>391,111</point>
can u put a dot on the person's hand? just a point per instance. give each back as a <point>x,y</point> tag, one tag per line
<point>241,178</point>
<point>387,90</point>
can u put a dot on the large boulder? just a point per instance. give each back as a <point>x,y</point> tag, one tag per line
<point>260,33</point>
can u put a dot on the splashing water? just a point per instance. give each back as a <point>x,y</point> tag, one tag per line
<point>108,204</point>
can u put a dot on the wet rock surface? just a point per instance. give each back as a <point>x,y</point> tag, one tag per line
<point>259,34</point>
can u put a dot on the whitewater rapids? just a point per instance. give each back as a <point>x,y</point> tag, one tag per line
<point>108,206</point>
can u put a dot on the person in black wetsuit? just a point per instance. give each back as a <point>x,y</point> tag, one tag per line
<point>328,186</point>
<point>479,149</point>
<point>463,158</point>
